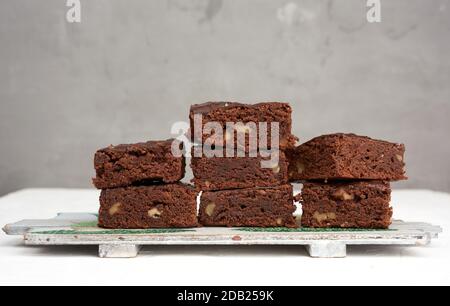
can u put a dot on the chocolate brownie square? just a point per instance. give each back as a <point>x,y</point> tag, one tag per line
<point>347,156</point>
<point>153,206</point>
<point>134,164</point>
<point>363,204</point>
<point>219,173</point>
<point>255,207</point>
<point>247,114</point>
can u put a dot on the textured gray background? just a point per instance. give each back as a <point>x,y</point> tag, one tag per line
<point>132,68</point>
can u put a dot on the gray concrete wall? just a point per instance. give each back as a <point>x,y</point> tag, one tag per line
<point>132,68</point>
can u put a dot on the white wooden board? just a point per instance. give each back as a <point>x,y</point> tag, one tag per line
<point>81,229</point>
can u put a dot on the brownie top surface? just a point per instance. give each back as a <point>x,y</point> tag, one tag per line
<point>142,146</point>
<point>212,106</point>
<point>348,137</point>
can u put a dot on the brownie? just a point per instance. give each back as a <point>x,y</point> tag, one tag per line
<point>153,206</point>
<point>254,207</point>
<point>134,164</point>
<point>346,156</point>
<point>219,173</point>
<point>223,112</point>
<point>363,204</point>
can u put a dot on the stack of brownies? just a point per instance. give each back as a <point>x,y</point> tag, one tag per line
<point>346,180</point>
<point>238,191</point>
<point>141,189</point>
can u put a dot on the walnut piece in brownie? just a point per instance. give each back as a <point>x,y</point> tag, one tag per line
<point>346,156</point>
<point>153,206</point>
<point>223,112</point>
<point>255,207</point>
<point>125,165</point>
<point>219,173</point>
<point>363,204</point>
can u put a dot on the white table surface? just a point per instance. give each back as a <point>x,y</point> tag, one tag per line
<point>260,265</point>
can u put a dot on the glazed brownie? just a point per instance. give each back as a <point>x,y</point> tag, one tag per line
<point>153,206</point>
<point>125,165</point>
<point>223,112</point>
<point>220,173</point>
<point>347,156</point>
<point>363,204</point>
<point>255,207</point>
